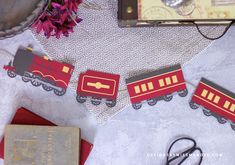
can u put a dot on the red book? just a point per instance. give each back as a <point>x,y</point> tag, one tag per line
<point>25,117</point>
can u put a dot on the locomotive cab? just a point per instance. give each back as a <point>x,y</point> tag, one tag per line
<point>38,69</point>
<point>22,60</point>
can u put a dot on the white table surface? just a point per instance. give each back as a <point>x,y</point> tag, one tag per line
<point>133,137</point>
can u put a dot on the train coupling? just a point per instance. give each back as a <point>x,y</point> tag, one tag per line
<point>9,66</point>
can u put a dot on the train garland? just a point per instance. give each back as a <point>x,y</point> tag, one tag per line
<point>151,87</point>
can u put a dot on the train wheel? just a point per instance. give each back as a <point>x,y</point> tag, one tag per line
<point>193,105</point>
<point>221,120</point>
<point>207,112</point>
<point>96,101</point>
<point>81,99</point>
<point>111,103</point>
<point>183,93</point>
<point>167,98</point>
<point>137,106</point>
<point>35,83</point>
<point>46,88</point>
<point>233,126</point>
<point>11,74</point>
<point>26,77</point>
<point>60,93</point>
<point>152,102</point>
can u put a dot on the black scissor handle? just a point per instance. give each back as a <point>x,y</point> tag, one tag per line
<point>184,154</point>
<point>192,151</point>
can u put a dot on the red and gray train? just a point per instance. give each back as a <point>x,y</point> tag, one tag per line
<point>40,71</point>
<point>54,75</point>
<point>156,85</point>
<point>215,101</point>
<point>150,87</point>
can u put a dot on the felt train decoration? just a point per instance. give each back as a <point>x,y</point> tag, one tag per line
<point>214,101</point>
<point>40,71</point>
<point>98,85</point>
<point>156,85</point>
<point>54,75</point>
<point>150,87</point>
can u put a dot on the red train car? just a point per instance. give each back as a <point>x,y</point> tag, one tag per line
<point>40,70</point>
<point>98,85</point>
<point>156,85</point>
<point>215,101</point>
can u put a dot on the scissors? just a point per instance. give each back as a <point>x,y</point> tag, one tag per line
<point>185,154</point>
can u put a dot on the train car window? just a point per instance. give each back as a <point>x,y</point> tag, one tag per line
<point>168,81</point>
<point>204,93</point>
<point>144,87</point>
<point>46,57</point>
<point>174,79</point>
<point>211,95</point>
<point>232,108</point>
<point>226,104</point>
<point>65,69</point>
<point>161,83</point>
<point>150,86</point>
<point>137,89</point>
<point>216,100</point>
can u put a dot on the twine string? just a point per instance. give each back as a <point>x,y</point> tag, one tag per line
<point>214,38</point>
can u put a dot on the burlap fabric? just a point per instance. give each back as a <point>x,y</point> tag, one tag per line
<point>99,44</point>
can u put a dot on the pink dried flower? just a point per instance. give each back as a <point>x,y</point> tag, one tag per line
<point>57,20</point>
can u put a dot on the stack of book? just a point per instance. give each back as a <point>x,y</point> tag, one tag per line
<point>33,140</point>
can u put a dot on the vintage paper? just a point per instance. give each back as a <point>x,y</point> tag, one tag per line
<point>223,2</point>
<point>195,10</point>
<point>44,145</point>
